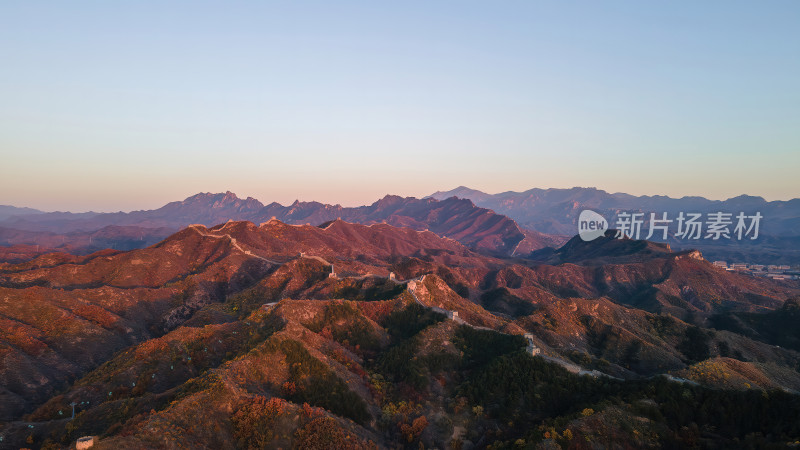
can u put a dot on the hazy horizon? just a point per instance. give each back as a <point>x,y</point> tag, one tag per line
<point>112,107</point>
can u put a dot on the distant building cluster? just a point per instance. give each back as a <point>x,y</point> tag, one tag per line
<point>774,271</point>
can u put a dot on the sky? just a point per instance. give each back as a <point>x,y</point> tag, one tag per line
<point>111,106</point>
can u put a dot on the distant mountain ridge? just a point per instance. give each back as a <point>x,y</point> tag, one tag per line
<point>504,224</point>
<point>7,211</point>
<point>555,211</point>
<point>458,219</point>
<point>539,208</point>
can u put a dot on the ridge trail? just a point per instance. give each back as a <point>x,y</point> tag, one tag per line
<point>234,243</point>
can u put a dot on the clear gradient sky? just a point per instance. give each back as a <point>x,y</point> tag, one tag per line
<point>128,105</point>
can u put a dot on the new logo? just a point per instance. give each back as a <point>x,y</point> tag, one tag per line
<point>591,225</point>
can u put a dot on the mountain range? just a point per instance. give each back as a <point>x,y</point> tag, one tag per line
<point>458,219</point>
<point>376,335</point>
<point>556,211</point>
<point>505,224</point>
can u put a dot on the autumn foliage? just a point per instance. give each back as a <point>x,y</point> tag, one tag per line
<point>324,433</point>
<point>253,423</point>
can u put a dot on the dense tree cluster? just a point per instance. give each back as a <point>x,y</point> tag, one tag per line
<point>779,327</point>
<point>519,389</point>
<point>316,384</point>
